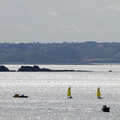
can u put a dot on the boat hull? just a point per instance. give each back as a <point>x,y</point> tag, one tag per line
<point>21,97</point>
<point>106,109</point>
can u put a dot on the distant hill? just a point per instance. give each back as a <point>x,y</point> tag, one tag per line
<point>60,53</point>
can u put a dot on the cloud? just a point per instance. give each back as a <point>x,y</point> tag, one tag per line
<point>53,13</point>
<point>23,27</point>
<point>71,28</point>
<point>68,19</point>
<point>106,30</point>
<point>114,9</point>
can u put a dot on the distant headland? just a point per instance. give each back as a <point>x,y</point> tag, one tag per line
<point>60,53</point>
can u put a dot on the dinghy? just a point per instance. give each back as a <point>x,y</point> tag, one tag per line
<point>69,93</point>
<point>105,108</point>
<point>20,96</point>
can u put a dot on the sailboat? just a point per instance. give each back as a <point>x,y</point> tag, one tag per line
<point>69,93</point>
<point>98,93</point>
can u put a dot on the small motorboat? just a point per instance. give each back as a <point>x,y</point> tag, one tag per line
<point>105,108</point>
<point>20,96</point>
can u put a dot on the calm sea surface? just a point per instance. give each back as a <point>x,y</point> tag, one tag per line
<point>47,93</point>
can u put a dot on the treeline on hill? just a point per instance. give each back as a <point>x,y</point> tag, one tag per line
<point>60,53</point>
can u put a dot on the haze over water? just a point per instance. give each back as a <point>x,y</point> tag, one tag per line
<point>47,93</point>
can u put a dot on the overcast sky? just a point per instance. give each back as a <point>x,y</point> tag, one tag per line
<point>59,21</point>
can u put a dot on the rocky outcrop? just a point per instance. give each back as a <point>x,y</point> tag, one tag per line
<point>3,69</point>
<point>37,69</point>
<point>29,68</point>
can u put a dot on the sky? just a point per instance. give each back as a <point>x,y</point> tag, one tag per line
<point>48,21</point>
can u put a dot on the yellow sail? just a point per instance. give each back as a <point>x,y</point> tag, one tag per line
<point>69,92</point>
<point>98,93</point>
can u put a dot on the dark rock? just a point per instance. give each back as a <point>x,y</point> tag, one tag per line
<point>3,69</point>
<point>29,68</point>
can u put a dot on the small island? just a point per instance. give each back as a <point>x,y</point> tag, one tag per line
<point>36,68</point>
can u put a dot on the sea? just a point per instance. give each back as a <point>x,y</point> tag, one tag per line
<point>47,93</point>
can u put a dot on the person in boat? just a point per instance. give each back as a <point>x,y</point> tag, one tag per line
<point>105,108</point>
<point>16,95</point>
<point>69,88</point>
<point>22,95</point>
